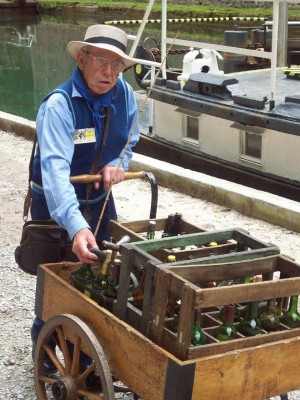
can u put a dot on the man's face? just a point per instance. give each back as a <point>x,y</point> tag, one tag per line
<point>99,75</point>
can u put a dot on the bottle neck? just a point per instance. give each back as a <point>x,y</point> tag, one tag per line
<point>116,272</point>
<point>106,263</point>
<point>293,306</point>
<point>197,318</point>
<point>253,310</point>
<point>229,314</point>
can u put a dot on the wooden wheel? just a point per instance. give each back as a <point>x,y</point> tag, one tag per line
<point>74,340</point>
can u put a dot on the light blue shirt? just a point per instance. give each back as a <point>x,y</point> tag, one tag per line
<point>55,130</point>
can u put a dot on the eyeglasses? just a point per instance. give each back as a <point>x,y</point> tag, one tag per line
<point>101,62</point>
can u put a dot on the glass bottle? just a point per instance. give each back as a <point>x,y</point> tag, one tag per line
<point>85,276</point>
<point>101,280</point>
<point>269,319</point>
<point>278,307</point>
<point>291,317</point>
<point>251,325</point>
<point>198,336</point>
<point>138,294</point>
<point>113,285</point>
<point>175,322</point>
<point>227,331</point>
<point>85,272</point>
<point>151,230</point>
<point>177,224</point>
<point>236,315</point>
<point>169,226</point>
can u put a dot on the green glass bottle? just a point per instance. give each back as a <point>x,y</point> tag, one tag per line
<point>227,331</point>
<point>85,277</point>
<point>85,273</point>
<point>198,336</point>
<point>291,317</point>
<point>269,319</point>
<point>251,325</point>
<point>278,307</point>
<point>113,285</point>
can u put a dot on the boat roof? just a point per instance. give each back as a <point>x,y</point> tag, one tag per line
<point>241,97</point>
<point>257,83</point>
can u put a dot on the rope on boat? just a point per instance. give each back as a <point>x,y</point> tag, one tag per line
<point>176,20</point>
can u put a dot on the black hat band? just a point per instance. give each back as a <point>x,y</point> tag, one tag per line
<point>106,40</point>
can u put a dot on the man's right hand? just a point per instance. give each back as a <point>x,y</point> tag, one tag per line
<point>82,241</point>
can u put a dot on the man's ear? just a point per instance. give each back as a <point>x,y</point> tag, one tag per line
<point>80,60</point>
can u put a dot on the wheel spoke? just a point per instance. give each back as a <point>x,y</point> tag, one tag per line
<point>64,348</point>
<point>90,395</point>
<point>86,373</point>
<point>48,349</point>
<point>76,357</point>
<point>46,379</point>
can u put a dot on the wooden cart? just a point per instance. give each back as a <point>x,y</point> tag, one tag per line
<point>248,369</point>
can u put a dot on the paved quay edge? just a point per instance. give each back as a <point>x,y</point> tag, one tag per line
<point>250,202</point>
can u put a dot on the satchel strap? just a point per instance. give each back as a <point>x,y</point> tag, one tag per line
<point>27,200</point>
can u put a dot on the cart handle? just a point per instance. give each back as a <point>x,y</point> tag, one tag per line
<point>86,178</point>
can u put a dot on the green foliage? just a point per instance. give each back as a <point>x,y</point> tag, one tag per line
<point>174,10</point>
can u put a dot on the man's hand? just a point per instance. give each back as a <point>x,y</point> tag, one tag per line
<point>110,174</point>
<point>83,240</point>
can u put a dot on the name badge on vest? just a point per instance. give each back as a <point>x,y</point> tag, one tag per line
<point>86,135</point>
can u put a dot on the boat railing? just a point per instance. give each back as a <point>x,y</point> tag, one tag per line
<point>279,7</point>
<point>271,55</point>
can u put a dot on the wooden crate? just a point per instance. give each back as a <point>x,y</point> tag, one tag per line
<point>137,229</point>
<point>250,373</point>
<point>140,253</point>
<point>181,283</point>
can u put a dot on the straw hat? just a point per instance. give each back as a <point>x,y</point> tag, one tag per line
<point>103,37</point>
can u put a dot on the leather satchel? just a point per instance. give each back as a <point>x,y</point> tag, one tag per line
<point>43,242</point>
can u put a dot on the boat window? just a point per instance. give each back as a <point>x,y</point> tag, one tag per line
<point>251,144</point>
<point>192,128</point>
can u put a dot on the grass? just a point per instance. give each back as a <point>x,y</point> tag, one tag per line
<point>174,11</point>
<point>183,11</point>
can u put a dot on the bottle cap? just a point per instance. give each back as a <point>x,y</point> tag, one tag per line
<point>171,258</point>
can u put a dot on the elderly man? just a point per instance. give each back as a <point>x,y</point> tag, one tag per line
<point>87,125</point>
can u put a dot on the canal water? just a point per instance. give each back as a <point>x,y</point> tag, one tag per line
<point>33,58</point>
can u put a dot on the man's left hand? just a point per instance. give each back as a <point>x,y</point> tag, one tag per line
<point>110,175</point>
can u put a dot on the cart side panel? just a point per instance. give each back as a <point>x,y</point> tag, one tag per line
<point>134,359</point>
<point>255,373</point>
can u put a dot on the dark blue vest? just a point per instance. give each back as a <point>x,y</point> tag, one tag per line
<point>84,154</point>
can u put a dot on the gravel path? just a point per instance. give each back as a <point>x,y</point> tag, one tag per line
<point>17,290</point>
